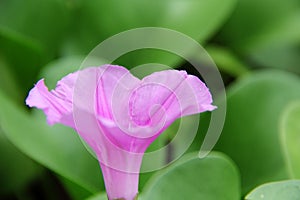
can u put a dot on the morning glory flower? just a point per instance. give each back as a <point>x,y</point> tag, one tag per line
<point>119,115</point>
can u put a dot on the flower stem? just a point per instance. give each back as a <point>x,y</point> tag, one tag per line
<point>135,198</point>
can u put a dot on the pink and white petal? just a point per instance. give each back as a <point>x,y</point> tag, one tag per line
<point>113,81</point>
<point>170,94</point>
<point>57,104</point>
<point>202,93</point>
<point>120,184</point>
<point>99,91</point>
<point>125,140</point>
<point>154,95</point>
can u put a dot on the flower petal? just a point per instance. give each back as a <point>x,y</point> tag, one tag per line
<point>119,116</point>
<point>203,96</point>
<point>57,104</point>
<point>120,184</point>
<point>98,92</point>
<point>110,78</point>
<point>170,94</point>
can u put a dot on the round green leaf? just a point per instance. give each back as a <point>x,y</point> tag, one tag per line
<point>98,20</point>
<point>290,137</point>
<point>287,190</point>
<point>210,178</point>
<point>286,57</point>
<point>256,24</point>
<point>267,32</point>
<point>251,131</point>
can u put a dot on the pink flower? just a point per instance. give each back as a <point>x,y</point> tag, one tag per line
<point>119,116</point>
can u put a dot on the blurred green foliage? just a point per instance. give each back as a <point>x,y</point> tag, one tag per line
<point>248,40</point>
<point>276,191</point>
<point>290,137</point>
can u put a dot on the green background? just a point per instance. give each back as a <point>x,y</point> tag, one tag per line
<point>256,46</point>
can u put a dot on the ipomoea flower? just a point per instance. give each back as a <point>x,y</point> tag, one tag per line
<point>119,115</point>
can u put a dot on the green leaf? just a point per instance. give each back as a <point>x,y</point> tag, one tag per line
<point>255,24</point>
<point>101,196</point>
<point>22,58</point>
<point>30,35</point>
<point>251,131</point>
<point>210,178</point>
<point>287,190</point>
<point>98,20</point>
<point>227,61</point>
<point>58,147</point>
<point>286,57</point>
<point>13,178</point>
<point>290,137</point>
<point>7,80</point>
<point>267,32</point>
<point>45,25</point>
<point>74,190</point>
